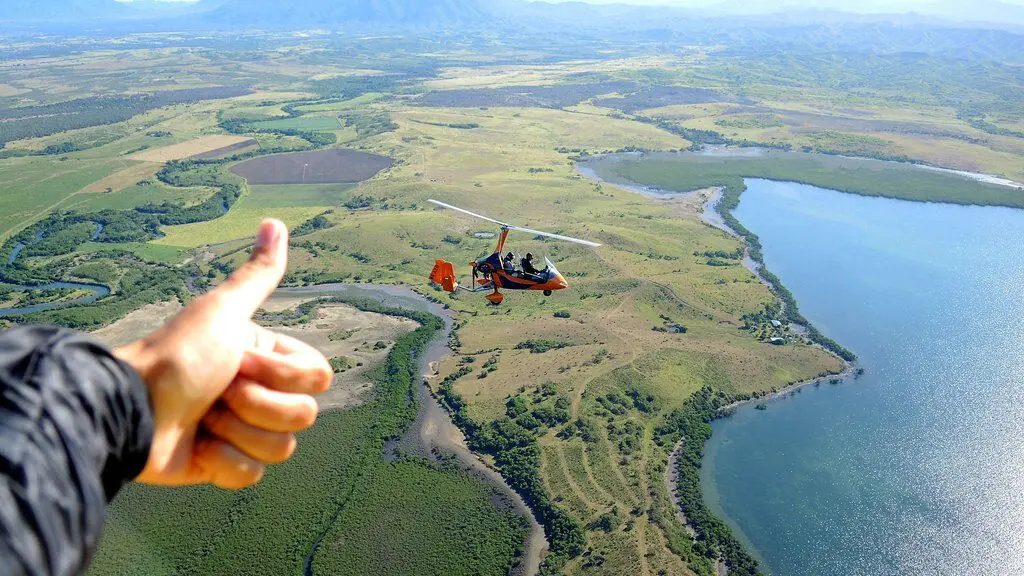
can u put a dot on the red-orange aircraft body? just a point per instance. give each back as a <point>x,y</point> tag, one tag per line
<point>492,273</point>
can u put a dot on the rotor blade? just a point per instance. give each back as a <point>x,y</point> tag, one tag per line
<point>556,236</point>
<point>473,214</point>
<point>518,228</point>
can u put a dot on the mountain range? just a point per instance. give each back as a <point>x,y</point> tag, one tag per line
<point>299,14</point>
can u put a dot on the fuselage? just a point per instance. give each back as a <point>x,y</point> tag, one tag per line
<point>549,279</point>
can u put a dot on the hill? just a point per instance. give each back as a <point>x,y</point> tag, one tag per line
<point>272,13</point>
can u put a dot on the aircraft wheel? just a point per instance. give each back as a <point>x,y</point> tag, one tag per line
<point>548,292</point>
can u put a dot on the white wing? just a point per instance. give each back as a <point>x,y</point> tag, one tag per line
<point>518,228</point>
<point>474,214</point>
<point>556,236</point>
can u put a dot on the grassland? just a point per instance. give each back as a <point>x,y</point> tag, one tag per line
<point>36,186</point>
<point>238,223</point>
<point>188,149</point>
<point>146,251</point>
<point>619,385</point>
<point>303,123</point>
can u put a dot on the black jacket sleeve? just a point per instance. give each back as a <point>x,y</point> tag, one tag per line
<point>75,425</point>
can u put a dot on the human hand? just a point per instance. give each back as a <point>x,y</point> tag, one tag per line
<point>227,395</point>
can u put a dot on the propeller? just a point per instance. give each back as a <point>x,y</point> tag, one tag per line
<point>517,228</point>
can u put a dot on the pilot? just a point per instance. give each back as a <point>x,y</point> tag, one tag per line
<point>510,263</point>
<point>529,268</point>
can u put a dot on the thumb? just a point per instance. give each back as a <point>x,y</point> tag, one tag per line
<point>257,279</point>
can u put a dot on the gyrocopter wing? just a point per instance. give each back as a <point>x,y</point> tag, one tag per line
<point>516,228</point>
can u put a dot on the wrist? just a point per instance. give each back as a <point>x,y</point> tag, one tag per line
<point>140,357</point>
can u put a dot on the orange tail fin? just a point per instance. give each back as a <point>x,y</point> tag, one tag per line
<point>444,274</point>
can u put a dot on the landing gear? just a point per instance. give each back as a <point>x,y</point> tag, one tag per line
<point>495,298</point>
<point>548,292</point>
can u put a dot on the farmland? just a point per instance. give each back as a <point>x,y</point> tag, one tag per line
<point>303,123</point>
<point>656,97</point>
<point>282,196</point>
<point>33,121</point>
<point>322,167</point>
<point>591,387</point>
<point>218,153</point>
<point>215,144</point>
<point>526,96</point>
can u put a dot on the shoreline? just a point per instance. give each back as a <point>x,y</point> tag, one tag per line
<point>727,152</point>
<point>713,213</point>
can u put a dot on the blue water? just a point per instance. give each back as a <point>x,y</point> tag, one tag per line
<point>917,467</point>
<point>14,253</point>
<point>97,293</point>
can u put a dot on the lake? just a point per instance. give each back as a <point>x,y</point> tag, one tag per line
<point>918,466</point>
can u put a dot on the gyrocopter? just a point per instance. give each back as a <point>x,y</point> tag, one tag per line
<point>493,273</point>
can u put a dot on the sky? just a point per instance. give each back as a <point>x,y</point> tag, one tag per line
<point>852,5</point>
<point>860,6</point>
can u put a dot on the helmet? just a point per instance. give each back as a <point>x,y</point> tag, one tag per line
<point>529,256</point>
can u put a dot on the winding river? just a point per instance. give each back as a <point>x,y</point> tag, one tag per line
<point>97,293</point>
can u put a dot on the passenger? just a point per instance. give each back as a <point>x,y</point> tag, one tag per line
<point>529,268</point>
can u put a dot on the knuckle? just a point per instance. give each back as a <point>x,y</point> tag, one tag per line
<point>288,375</point>
<point>253,475</point>
<point>304,415</point>
<point>282,450</point>
<point>322,378</point>
<point>241,276</point>
<point>249,393</point>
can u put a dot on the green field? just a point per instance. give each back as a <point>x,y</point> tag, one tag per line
<point>302,123</point>
<point>353,103</point>
<point>146,251</point>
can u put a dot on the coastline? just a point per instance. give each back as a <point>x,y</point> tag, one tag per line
<point>718,214</point>
<point>713,213</point>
